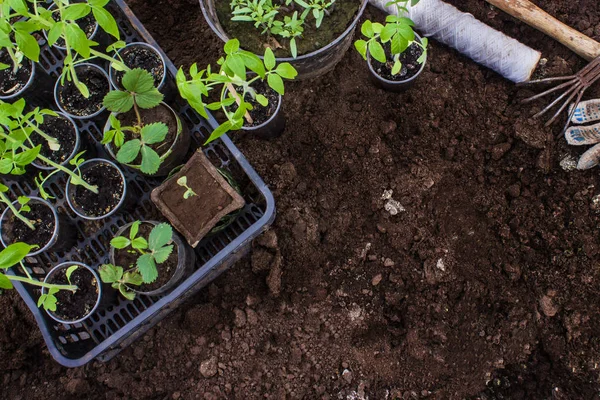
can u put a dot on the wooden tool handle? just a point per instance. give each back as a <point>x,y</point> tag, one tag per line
<point>537,18</point>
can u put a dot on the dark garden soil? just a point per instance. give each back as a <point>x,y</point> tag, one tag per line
<point>141,57</point>
<point>410,66</point>
<point>71,306</point>
<point>165,270</point>
<point>43,220</point>
<point>110,190</point>
<point>10,82</point>
<point>259,113</point>
<point>486,285</point>
<point>74,102</point>
<point>63,131</point>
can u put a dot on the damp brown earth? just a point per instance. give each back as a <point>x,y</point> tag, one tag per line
<point>483,285</point>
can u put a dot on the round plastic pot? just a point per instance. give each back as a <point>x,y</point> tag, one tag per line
<point>112,71</point>
<point>98,285</point>
<point>172,157</point>
<point>65,111</point>
<point>395,86</point>
<point>310,65</point>
<point>127,197</point>
<point>185,261</point>
<point>38,88</point>
<point>63,238</point>
<point>76,148</point>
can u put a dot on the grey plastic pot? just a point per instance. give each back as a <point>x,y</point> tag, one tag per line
<point>63,238</point>
<point>98,285</point>
<point>61,106</point>
<point>172,157</point>
<point>112,71</point>
<point>395,86</point>
<point>39,165</point>
<point>185,261</point>
<point>38,88</point>
<point>310,65</point>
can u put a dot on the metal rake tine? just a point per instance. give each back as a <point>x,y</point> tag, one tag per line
<point>559,98</point>
<point>566,103</point>
<point>544,80</point>
<point>549,91</point>
<point>571,114</point>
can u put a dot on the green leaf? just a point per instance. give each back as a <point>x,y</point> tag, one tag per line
<point>110,273</point>
<point>397,67</point>
<point>150,160</point>
<point>147,267</point>
<point>28,45</point>
<point>83,89</point>
<point>70,271</point>
<point>161,255</point>
<point>133,278</point>
<point>55,32</point>
<point>77,39</point>
<point>286,70</point>
<point>14,254</point>
<point>106,21</point>
<point>75,11</point>
<point>154,133</point>
<point>19,6</point>
<point>367,29</point>
<point>387,33</point>
<point>139,243</point>
<point>26,157</point>
<point>149,99</point>
<point>361,47</point>
<point>269,59</point>
<point>276,83</point>
<point>134,229</point>
<point>262,100</point>
<point>120,242</point>
<point>293,48</point>
<point>160,236</point>
<point>253,63</point>
<point>236,64</point>
<point>376,51</point>
<point>5,283</point>
<point>138,81</point>
<point>129,151</point>
<point>219,131</point>
<point>49,302</point>
<point>129,295</point>
<point>118,101</point>
<point>231,46</point>
<point>23,200</point>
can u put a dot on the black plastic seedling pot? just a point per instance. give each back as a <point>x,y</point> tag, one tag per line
<point>390,85</point>
<point>38,87</point>
<point>133,60</point>
<point>59,231</point>
<point>71,102</point>
<point>74,133</point>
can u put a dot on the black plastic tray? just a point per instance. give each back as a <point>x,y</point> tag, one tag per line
<point>107,332</point>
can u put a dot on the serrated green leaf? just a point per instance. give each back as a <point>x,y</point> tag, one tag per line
<point>129,151</point>
<point>129,295</point>
<point>118,101</point>
<point>120,242</point>
<point>149,99</point>
<point>138,81</point>
<point>160,236</point>
<point>139,243</point>
<point>110,273</point>
<point>147,268</point>
<point>161,255</point>
<point>154,133</point>
<point>133,278</point>
<point>150,160</point>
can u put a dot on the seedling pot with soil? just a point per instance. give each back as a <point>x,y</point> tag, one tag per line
<point>178,265</point>
<point>195,216</point>
<point>70,100</point>
<point>65,131</point>
<point>171,151</point>
<point>29,79</point>
<point>113,193</point>
<point>140,55</point>
<point>87,24</point>
<point>73,307</point>
<point>52,231</point>
<point>405,79</point>
<point>319,50</point>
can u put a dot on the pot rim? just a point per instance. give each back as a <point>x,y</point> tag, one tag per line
<point>113,79</point>
<point>399,83</point>
<point>75,148</point>
<point>180,257</point>
<point>54,237</point>
<point>82,117</point>
<point>301,57</point>
<point>98,283</point>
<point>114,210</point>
<point>27,85</point>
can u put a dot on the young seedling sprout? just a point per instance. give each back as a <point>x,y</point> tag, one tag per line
<point>139,93</point>
<point>232,75</point>
<point>13,255</point>
<point>398,32</point>
<point>155,250</point>
<point>182,181</point>
<point>23,206</point>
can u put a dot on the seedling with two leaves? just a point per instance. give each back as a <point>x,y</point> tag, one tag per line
<point>231,77</point>
<point>17,212</point>
<point>182,181</point>
<point>139,93</point>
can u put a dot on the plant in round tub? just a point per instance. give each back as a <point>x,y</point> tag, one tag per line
<point>250,91</point>
<point>149,256</point>
<point>395,54</point>
<point>148,134</point>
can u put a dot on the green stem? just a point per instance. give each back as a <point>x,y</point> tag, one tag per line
<point>33,282</point>
<point>25,270</point>
<point>137,114</point>
<point>16,212</point>
<point>109,59</point>
<point>41,133</point>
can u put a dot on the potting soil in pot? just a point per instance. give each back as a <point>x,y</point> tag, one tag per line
<point>141,57</point>
<point>410,66</point>
<point>16,230</point>
<point>312,39</point>
<point>10,82</point>
<point>63,131</point>
<point>71,306</point>
<point>128,260</point>
<point>74,102</point>
<point>259,113</point>
<point>110,190</point>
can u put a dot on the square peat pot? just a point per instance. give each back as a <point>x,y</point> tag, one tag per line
<point>112,329</point>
